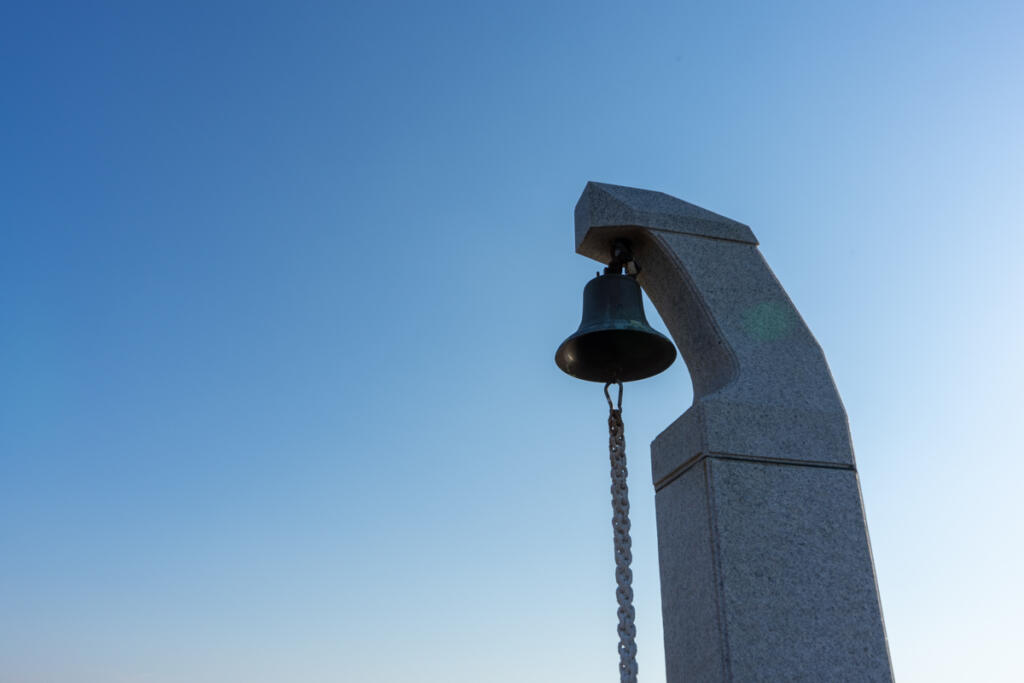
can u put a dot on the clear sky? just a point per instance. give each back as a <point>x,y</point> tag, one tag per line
<point>281,284</point>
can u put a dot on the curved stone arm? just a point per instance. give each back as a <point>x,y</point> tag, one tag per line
<point>761,387</point>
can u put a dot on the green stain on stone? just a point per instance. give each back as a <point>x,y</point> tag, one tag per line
<point>768,321</point>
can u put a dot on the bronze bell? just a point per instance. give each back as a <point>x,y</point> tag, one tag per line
<point>614,342</point>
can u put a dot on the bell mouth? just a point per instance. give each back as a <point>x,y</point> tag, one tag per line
<point>614,342</point>
<point>615,355</point>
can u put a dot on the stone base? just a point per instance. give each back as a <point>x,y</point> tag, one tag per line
<point>766,575</point>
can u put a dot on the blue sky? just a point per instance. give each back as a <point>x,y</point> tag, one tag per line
<point>281,285</point>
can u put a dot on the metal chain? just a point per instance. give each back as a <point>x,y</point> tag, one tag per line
<point>623,543</point>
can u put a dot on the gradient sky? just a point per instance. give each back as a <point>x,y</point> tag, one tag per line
<point>281,284</point>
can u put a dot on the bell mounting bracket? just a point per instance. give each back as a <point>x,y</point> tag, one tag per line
<point>622,259</point>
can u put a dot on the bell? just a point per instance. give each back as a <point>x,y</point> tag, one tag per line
<point>614,342</point>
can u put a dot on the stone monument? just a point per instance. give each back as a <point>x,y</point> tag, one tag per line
<point>766,568</point>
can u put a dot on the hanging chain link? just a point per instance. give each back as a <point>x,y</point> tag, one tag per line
<point>623,543</point>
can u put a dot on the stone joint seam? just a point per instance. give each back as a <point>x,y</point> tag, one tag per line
<point>715,455</point>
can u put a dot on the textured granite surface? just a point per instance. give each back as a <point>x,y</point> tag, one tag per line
<point>767,575</point>
<point>765,563</point>
<point>605,205</point>
<point>695,645</point>
<point>760,381</point>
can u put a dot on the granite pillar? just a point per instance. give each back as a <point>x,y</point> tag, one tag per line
<point>766,569</point>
